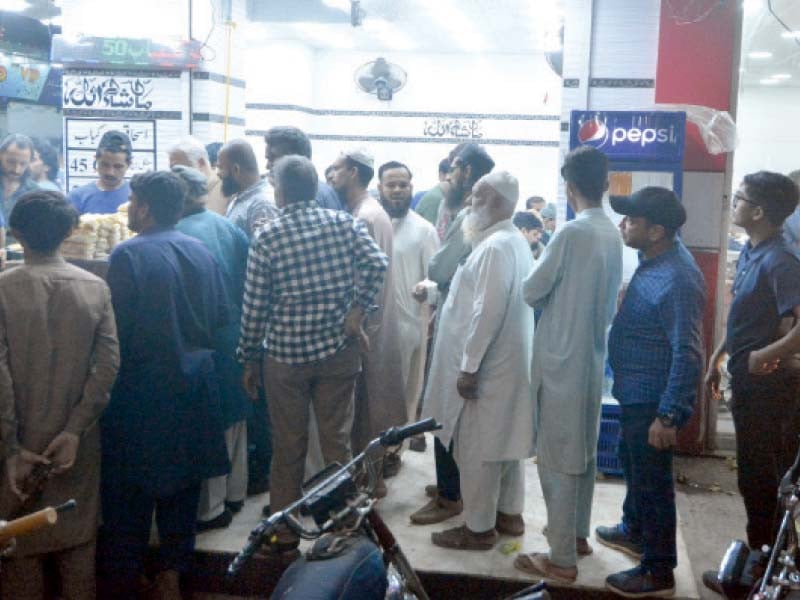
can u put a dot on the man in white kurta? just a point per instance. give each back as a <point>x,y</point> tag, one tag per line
<point>482,378</point>
<point>415,242</point>
<point>575,284</point>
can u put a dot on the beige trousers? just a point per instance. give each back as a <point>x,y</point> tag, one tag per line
<point>325,385</point>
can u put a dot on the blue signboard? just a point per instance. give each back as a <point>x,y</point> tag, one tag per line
<point>631,136</point>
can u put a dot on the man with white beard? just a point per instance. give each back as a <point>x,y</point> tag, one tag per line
<point>482,382</point>
<point>415,242</point>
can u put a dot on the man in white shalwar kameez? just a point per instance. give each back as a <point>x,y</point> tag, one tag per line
<point>481,374</point>
<point>415,242</point>
<point>575,284</point>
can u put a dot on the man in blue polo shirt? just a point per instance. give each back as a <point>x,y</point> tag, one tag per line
<point>766,295</point>
<point>112,159</point>
<point>656,352</point>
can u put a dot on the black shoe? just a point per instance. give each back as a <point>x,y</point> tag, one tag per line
<point>641,583</point>
<point>711,581</point>
<point>266,511</point>
<point>616,537</point>
<point>220,522</point>
<point>234,507</point>
<point>257,486</point>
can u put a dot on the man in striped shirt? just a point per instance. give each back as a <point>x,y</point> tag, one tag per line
<point>312,275</point>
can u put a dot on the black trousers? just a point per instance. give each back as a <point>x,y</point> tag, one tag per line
<point>766,416</point>
<point>125,534</point>
<point>448,478</point>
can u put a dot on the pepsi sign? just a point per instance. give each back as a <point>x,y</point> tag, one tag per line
<point>631,136</point>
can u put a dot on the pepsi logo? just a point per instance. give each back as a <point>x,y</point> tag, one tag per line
<point>593,131</point>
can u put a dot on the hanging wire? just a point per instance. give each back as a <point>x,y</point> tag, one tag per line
<point>782,22</point>
<point>205,45</point>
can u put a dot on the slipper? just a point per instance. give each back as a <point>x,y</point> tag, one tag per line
<point>539,565</point>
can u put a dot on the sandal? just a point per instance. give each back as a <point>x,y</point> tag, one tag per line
<point>539,565</point>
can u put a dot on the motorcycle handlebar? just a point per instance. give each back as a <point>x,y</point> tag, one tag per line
<point>32,522</point>
<point>396,435</point>
<point>267,527</point>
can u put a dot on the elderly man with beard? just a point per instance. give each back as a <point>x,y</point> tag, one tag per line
<point>252,205</point>
<point>415,242</point>
<point>481,380</point>
<point>471,162</point>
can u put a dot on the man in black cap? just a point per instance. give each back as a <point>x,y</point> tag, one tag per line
<point>655,350</point>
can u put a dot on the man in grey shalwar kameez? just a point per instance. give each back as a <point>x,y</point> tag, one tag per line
<point>575,284</point>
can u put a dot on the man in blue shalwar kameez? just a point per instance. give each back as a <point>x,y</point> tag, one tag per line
<point>162,432</point>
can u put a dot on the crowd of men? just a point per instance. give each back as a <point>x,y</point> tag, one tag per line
<point>254,321</point>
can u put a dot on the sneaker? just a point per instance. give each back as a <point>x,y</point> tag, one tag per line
<point>617,538</point>
<point>437,510</point>
<point>220,522</point>
<point>711,581</point>
<point>642,583</point>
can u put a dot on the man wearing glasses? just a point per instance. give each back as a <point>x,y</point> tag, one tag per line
<point>763,333</point>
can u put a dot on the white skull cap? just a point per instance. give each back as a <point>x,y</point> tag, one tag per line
<point>504,183</point>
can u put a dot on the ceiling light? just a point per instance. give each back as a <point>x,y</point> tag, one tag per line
<point>389,34</point>
<point>14,5</point>
<point>343,5</point>
<point>781,76</point>
<point>461,29</point>
<point>790,34</point>
<point>760,54</point>
<point>769,81</point>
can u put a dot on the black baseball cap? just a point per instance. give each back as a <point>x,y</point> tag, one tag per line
<point>658,205</point>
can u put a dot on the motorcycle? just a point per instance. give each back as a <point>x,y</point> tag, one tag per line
<point>777,565</point>
<point>355,555</point>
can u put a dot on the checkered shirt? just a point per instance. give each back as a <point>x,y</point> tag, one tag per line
<point>306,270</point>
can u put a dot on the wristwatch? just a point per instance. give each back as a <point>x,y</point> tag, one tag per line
<point>667,419</point>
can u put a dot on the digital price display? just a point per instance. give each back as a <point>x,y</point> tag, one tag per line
<point>126,53</point>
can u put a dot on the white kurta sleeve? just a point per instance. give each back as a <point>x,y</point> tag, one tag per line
<point>493,283</point>
<point>547,271</point>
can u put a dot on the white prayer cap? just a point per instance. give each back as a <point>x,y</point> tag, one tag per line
<point>360,155</point>
<point>504,183</point>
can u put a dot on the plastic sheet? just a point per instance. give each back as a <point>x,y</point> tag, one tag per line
<point>717,127</point>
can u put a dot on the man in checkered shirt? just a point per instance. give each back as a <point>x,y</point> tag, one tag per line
<point>312,275</point>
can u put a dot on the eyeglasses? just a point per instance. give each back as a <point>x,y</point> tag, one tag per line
<point>739,198</point>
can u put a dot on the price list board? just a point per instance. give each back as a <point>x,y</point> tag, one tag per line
<point>83,135</point>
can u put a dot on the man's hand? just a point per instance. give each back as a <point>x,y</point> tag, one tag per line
<point>759,363</point>
<point>420,292</point>
<point>713,379</point>
<point>251,379</point>
<point>62,451</point>
<point>354,327</point>
<point>660,437</point>
<point>468,385</point>
<point>19,467</point>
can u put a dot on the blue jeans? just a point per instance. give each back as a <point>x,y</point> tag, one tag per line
<point>648,512</point>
